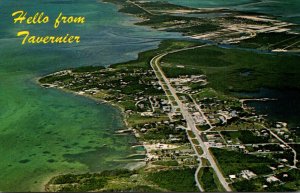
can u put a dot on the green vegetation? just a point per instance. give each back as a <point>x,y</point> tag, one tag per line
<point>291,183</point>
<point>137,119</point>
<point>239,125</point>
<point>144,58</point>
<point>211,93</point>
<point>204,162</point>
<point>233,162</point>
<point>195,141</point>
<point>51,79</point>
<point>209,180</point>
<point>271,41</point>
<point>130,86</point>
<point>166,163</point>
<point>86,182</point>
<point>245,136</point>
<point>199,150</point>
<point>203,127</point>
<point>238,70</point>
<point>191,134</point>
<point>178,180</point>
<point>181,180</point>
<point>163,132</point>
<point>173,72</point>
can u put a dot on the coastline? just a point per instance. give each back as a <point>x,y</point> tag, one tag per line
<point>130,164</point>
<point>112,103</point>
<point>103,101</point>
<point>122,110</point>
<point>83,95</point>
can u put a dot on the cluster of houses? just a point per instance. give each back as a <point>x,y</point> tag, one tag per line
<point>166,139</point>
<point>246,174</point>
<point>166,152</point>
<point>214,139</point>
<point>282,131</point>
<point>242,27</point>
<point>161,104</point>
<point>269,179</point>
<point>182,84</point>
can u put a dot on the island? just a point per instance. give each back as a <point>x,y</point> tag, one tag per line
<point>178,100</point>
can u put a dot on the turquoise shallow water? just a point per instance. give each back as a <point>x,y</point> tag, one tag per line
<point>44,132</point>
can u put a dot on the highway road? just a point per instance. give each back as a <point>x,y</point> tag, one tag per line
<point>187,116</point>
<point>147,11</point>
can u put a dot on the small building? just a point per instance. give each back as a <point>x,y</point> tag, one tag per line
<point>272,179</point>
<point>232,177</point>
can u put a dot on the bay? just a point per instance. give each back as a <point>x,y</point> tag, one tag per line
<point>45,132</point>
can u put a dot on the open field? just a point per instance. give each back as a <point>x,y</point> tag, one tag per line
<point>124,180</point>
<point>175,180</point>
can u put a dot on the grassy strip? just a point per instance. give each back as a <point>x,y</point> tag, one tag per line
<point>191,134</point>
<point>209,180</point>
<point>195,141</point>
<point>199,150</point>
